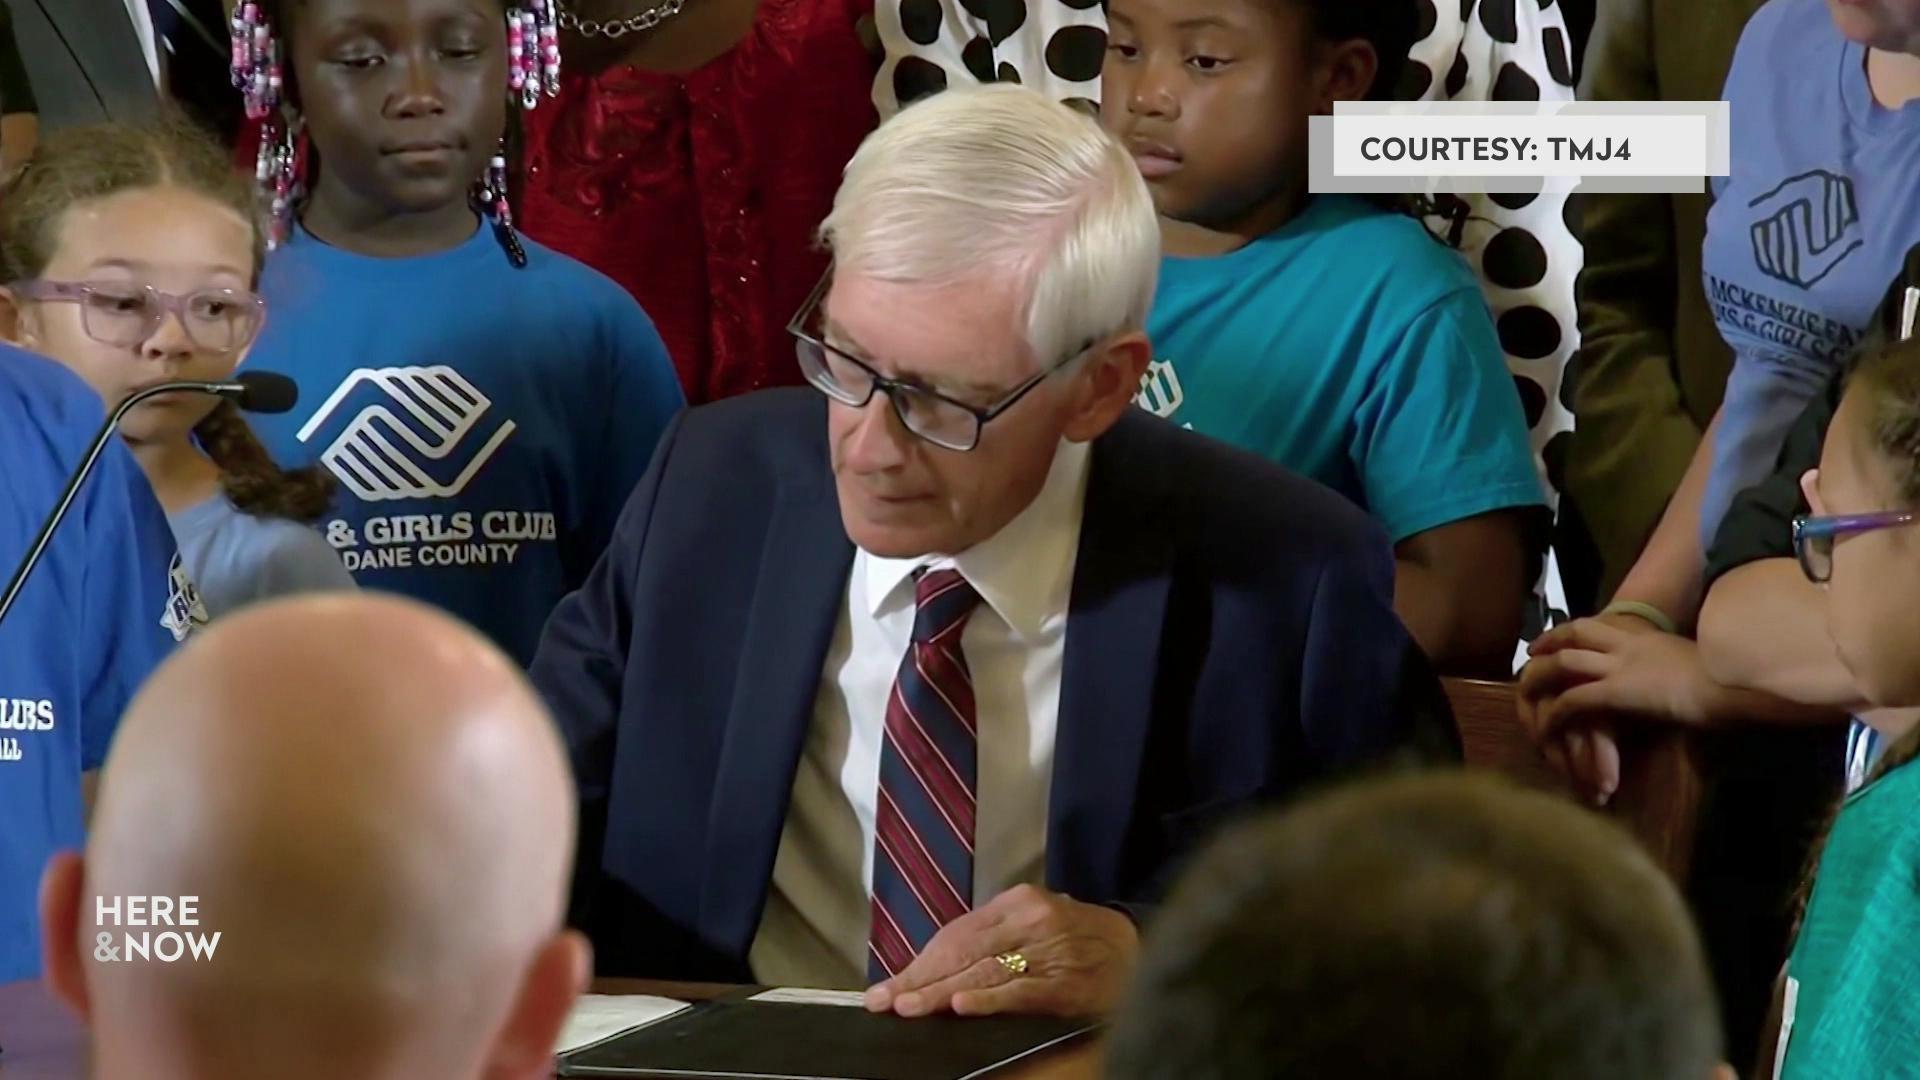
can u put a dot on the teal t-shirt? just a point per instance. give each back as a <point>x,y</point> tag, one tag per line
<point>1854,977</point>
<point>1350,347</point>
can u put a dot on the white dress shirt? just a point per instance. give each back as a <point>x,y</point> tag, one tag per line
<point>814,931</point>
<point>143,29</point>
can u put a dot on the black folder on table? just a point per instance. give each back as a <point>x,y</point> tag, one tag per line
<point>740,1039</point>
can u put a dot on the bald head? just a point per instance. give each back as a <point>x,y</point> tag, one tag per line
<point>374,811</point>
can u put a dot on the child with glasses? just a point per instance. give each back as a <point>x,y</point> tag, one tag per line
<point>131,257</point>
<point>1851,1006</point>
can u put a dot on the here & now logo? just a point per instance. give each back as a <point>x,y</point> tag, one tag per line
<point>138,921</point>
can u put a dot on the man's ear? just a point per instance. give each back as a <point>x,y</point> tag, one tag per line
<point>523,1048</point>
<point>1110,380</point>
<point>63,892</point>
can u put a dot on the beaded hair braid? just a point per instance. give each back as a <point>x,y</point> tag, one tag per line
<point>260,57</point>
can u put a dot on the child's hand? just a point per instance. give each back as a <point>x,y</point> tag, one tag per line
<point>1599,669</point>
<point>1588,757</point>
<point>1548,674</point>
<point>1588,676</point>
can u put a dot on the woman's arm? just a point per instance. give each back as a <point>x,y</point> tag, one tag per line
<point>1764,627</point>
<point>1635,440</point>
<point>1669,573</point>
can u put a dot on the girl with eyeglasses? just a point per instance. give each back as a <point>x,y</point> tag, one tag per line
<point>131,256</point>
<point>1850,1006</point>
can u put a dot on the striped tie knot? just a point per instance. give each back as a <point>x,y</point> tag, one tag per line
<point>945,601</point>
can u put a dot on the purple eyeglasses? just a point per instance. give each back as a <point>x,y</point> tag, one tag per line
<point>127,314</point>
<point>1813,537</point>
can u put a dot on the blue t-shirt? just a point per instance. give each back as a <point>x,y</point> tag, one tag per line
<point>1817,217</point>
<point>91,623</point>
<point>1350,347</point>
<point>485,423</point>
<point>236,558</point>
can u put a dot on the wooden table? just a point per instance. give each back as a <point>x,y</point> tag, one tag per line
<point>40,1040</point>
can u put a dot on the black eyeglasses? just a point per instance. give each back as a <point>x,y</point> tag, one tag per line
<point>1813,537</point>
<point>927,413</point>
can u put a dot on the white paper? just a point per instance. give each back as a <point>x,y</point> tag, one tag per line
<point>793,995</point>
<point>597,1017</point>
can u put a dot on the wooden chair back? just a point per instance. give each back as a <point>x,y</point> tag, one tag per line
<point>1660,783</point>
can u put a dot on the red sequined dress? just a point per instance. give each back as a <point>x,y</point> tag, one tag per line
<point>700,192</point>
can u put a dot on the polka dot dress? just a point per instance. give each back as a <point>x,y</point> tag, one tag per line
<point>1054,46</point>
<point>1524,247</point>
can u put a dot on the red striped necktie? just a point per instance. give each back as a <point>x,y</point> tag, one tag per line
<point>923,837</point>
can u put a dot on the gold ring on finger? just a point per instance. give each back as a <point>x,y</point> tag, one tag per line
<point>1015,964</point>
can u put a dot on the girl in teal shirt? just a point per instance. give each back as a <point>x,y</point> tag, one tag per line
<point>1852,995</point>
<point>1323,332</point>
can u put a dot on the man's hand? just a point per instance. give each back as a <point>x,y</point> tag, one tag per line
<point>1079,957</point>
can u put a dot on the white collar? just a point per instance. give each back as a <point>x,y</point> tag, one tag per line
<point>1024,571</point>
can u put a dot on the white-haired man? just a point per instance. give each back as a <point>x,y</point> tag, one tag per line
<point>923,682</point>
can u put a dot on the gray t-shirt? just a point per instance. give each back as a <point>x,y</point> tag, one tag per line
<point>237,558</point>
<point>1804,235</point>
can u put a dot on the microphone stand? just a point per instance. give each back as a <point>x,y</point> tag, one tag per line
<point>107,431</point>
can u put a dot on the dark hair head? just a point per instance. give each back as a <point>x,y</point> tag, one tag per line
<point>82,165</point>
<point>291,162</point>
<point>1390,26</point>
<point>1431,926</point>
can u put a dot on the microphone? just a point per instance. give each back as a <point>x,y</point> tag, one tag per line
<point>254,391</point>
<point>267,392</point>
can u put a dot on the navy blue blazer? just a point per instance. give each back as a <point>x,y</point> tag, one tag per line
<point>1230,639</point>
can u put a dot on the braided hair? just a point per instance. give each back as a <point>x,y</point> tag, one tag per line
<point>287,159</point>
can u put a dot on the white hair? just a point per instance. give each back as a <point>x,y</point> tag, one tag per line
<point>1002,181</point>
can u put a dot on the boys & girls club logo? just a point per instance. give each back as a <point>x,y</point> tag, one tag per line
<point>150,928</point>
